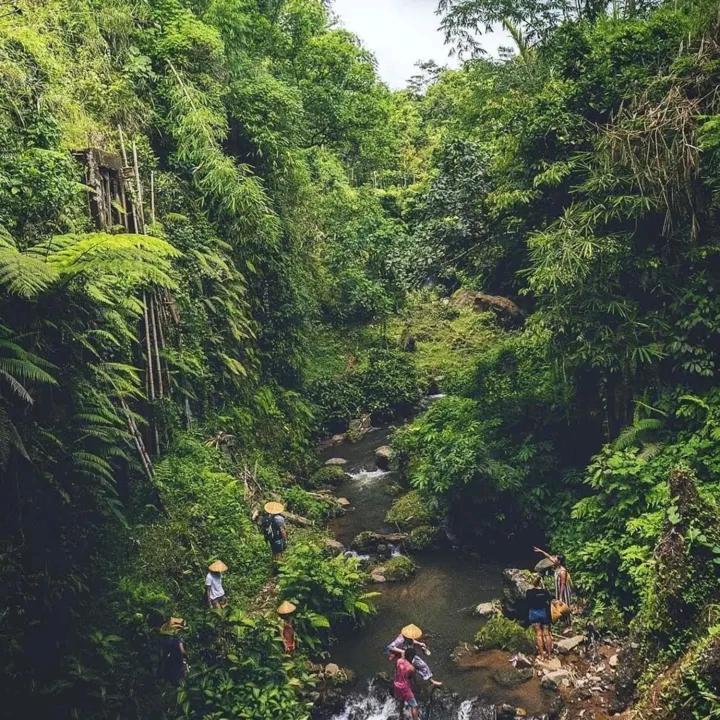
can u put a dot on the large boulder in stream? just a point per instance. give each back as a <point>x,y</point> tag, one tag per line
<point>515,584</point>
<point>383,457</point>
<point>369,541</point>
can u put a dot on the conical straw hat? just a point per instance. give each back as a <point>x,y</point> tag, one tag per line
<point>218,567</point>
<point>411,632</point>
<point>274,508</point>
<point>286,608</point>
<point>172,626</point>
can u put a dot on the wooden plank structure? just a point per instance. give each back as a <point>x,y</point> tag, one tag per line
<point>115,203</point>
<point>108,203</point>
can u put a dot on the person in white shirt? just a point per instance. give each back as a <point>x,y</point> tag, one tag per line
<point>213,585</point>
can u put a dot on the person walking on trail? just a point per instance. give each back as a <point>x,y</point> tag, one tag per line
<point>214,591</point>
<point>539,616</point>
<point>173,657</point>
<point>273,527</point>
<point>563,581</point>
<point>289,641</point>
<point>402,689</point>
<point>408,638</point>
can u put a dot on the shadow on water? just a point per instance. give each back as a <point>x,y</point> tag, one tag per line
<point>447,582</point>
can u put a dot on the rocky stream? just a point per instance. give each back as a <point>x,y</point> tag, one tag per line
<point>445,596</point>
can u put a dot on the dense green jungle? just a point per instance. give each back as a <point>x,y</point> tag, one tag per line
<point>223,239</point>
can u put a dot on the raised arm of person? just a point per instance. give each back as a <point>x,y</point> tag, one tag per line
<point>546,554</point>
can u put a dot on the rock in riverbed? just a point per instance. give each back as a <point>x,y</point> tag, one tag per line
<point>553,680</point>
<point>488,609</point>
<point>515,584</point>
<point>383,457</point>
<point>368,541</point>
<point>336,461</point>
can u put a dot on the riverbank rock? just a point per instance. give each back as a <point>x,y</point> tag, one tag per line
<point>334,547</point>
<point>555,679</point>
<point>332,475</point>
<point>515,584</point>
<point>343,502</point>
<point>488,609</point>
<point>337,461</point>
<point>567,645</point>
<point>359,427</point>
<point>511,677</point>
<point>383,457</point>
<point>369,541</point>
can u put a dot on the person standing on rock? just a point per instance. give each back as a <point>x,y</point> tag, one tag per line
<point>539,616</point>
<point>402,689</point>
<point>273,527</point>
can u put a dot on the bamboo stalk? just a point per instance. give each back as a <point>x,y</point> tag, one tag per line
<point>152,197</point>
<point>154,334</point>
<point>148,368</point>
<point>139,187</point>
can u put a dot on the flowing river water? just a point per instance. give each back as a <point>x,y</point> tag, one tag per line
<point>436,598</point>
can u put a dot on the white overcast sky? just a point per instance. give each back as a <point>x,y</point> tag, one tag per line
<point>401,33</point>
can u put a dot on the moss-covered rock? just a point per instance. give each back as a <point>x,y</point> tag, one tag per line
<point>409,511</point>
<point>398,568</point>
<point>422,537</point>
<point>327,475</point>
<point>501,633</point>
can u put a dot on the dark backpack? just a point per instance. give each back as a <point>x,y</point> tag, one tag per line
<point>270,529</point>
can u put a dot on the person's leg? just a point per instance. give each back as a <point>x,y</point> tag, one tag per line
<point>414,709</point>
<point>547,632</point>
<point>539,647</point>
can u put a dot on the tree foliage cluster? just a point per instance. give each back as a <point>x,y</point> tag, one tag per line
<point>579,176</point>
<point>150,384</point>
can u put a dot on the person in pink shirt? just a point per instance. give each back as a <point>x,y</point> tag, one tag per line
<point>402,688</point>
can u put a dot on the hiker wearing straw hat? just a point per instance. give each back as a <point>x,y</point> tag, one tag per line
<point>285,611</point>
<point>213,585</point>
<point>408,638</point>
<point>173,657</point>
<point>273,527</point>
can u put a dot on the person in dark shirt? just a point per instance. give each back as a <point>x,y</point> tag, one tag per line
<point>173,657</point>
<point>538,603</point>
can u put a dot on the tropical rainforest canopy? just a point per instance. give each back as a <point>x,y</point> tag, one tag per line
<point>291,250</point>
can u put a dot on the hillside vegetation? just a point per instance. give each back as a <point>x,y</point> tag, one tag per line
<point>306,232</point>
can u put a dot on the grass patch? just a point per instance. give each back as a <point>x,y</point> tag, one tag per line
<point>501,633</point>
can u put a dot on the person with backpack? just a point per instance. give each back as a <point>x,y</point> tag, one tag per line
<point>273,527</point>
<point>173,657</point>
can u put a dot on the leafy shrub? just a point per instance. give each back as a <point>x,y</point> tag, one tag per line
<point>385,386</point>
<point>501,633</point>
<point>327,475</point>
<point>310,506</point>
<point>422,537</point>
<point>397,568</point>
<point>389,384</point>
<point>245,674</point>
<point>331,587</point>
<point>410,511</point>
<point>206,518</point>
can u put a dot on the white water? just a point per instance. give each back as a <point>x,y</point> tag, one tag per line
<point>365,477</point>
<point>377,705</point>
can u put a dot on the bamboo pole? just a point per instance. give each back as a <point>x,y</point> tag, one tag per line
<point>154,333</point>
<point>152,197</point>
<point>148,370</point>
